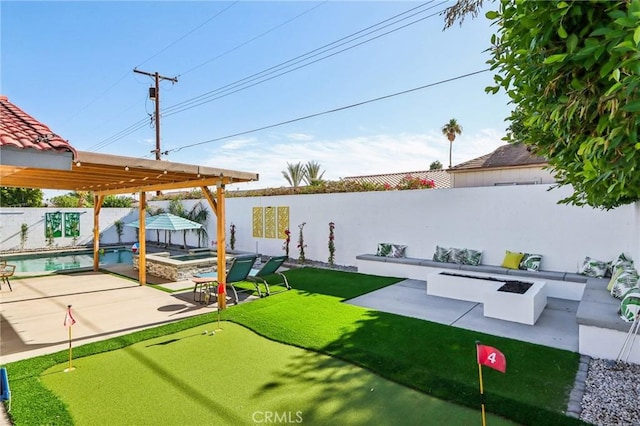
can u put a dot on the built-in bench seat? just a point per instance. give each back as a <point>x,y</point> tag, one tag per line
<point>601,330</point>
<point>563,285</point>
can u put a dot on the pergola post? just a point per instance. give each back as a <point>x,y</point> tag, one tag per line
<point>97,204</point>
<point>220,231</point>
<point>142,243</point>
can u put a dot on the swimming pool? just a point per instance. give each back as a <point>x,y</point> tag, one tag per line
<point>46,262</point>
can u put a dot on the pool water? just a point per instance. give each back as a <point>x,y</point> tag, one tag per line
<point>196,256</point>
<point>61,261</point>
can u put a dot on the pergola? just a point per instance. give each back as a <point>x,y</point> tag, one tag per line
<point>105,174</point>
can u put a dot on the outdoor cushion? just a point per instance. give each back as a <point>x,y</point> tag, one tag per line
<point>622,261</point>
<point>404,260</point>
<point>371,257</point>
<point>625,281</point>
<point>441,254</point>
<point>436,264</point>
<point>489,269</point>
<point>472,257</point>
<point>614,278</point>
<point>630,306</point>
<point>383,249</point>
<point>457,255</point>
<point>530,262</point>
<point>601,315</point>
<point>397,250</point>
<point>577,278</point>
<point>593,268</point>
<point>512,260</point>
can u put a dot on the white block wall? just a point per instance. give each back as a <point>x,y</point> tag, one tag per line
<point>11,220</point>
<point>492,219</point>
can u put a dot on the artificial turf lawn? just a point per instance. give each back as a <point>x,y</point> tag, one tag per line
<point>236,377</point>
<point>433,358</point>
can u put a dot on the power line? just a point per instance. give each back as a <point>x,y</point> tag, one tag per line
<point>233,49</point>
<point>202,99</point>
<point>306,117</point>
<point>169,112</point>
<point>187,34</point>
<point>308,55</point>
<point>126,74</point>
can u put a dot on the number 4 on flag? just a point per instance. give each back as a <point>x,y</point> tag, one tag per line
<point>491,357</point>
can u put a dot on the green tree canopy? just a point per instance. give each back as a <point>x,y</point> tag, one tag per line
<point>436,165</point>
<point>20,197</point>
<point>312,175</point>
<point>294,174</point>
<point>572,70</point>
<point>450,130</point>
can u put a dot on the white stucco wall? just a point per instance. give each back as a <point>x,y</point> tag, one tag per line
<point>501,176</point>
<point>11,220</point>
<point>492,219</point>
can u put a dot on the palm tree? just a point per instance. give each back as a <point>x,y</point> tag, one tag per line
<point>294,174</point>
<point>200,215</point>
<point>312,173</point>
<point>450,130</point>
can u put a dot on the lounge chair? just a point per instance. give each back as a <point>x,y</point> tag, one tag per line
<point>6,271</point>
<point>269,268</point>
<point>237,271</point>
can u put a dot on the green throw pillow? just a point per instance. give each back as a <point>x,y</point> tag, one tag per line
<point>530,262</point>
<point>383,249</point>
<point>457,255</point>
<point>625,281</point>
<point>441,254</point>
<point>472,257</point>
<point>397,250</point>
<point>512,260</point>
<point>614,278</point>
<point>630,306</point>
<point>593,268</point>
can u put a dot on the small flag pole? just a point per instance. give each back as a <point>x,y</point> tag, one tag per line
<point>68,322</point>
<point>222,302</point>
<point>484,422</point>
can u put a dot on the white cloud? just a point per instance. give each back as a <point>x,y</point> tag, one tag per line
<point>300,136</point>
<point>384,153</point>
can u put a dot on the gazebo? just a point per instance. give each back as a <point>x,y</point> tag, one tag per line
<point>32,156</point>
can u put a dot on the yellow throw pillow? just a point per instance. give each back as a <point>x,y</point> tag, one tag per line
<point>512,260</point>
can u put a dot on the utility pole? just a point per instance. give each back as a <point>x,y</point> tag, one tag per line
<point>154,93</point>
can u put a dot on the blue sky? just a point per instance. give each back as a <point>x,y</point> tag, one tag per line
<point>70,65</point>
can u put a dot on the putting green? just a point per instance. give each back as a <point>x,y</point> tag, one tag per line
<point>236,377</point>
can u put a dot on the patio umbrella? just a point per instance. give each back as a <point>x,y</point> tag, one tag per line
<point>167,222</point>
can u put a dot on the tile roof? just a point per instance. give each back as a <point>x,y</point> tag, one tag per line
<point>20,130</point>
<point>509,155</point>
<point>440,177</point>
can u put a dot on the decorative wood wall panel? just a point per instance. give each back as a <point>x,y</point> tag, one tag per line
<point>258,223</point>
<point>283,221</point>
<point>270,222</point>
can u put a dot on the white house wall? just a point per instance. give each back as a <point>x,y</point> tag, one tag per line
<point>501,176</point>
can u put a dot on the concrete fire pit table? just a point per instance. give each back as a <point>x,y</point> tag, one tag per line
<point>524,307</point>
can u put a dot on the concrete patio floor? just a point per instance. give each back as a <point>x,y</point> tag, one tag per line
<point>104,306</point>
<point>556,327</point>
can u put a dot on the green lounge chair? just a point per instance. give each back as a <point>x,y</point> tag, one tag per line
<point>238,270</point>
<point>269,268</point>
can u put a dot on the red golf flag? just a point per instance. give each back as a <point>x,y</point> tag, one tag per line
<point>491,357</point>
<point>68,319</point>
<point>222,296</point>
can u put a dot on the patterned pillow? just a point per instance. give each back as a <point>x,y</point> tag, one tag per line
<point>383,249</point>
<point>630,306</point>
<point>472,257</point>
<point>441,254</point>
<point>622,261</point>
<point>593,268</point>
<point>625,281</point>
<point>397,250</point>
<point>530,262</point>
<point>512,260</point>
<point>457,255</point>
